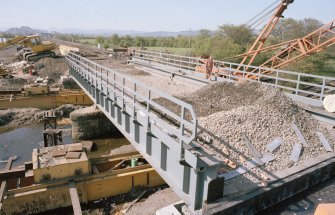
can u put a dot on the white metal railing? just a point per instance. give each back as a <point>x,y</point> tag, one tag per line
<point>136,98</point>
<point>302,84</point>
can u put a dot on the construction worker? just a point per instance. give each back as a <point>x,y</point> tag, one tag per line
<point>209,67</point>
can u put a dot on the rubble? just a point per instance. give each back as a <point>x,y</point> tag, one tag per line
<point>263,113</point>
<point>24,116</point>
<point>53,68</point>
<point>13,83</point>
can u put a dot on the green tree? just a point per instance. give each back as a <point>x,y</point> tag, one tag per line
<point>240,34</point>
<point>115,40</point>
<point>127,41</point>
<point>289,29</point>
<point>100,40</point>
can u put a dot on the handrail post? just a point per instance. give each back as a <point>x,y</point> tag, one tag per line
<point>323,89</point>
<point>297,87</point>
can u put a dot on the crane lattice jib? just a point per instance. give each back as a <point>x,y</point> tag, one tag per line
<point>261,39</point>
<point>314,42</point>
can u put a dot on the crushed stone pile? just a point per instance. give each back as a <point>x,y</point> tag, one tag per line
<point>227,110</point>
<point>87,50</point>
<point>13,83</point>
<point>164,84</point>
<point>52,68</point>
<point>121,65</point>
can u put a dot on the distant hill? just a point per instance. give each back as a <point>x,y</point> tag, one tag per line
<point>106,32</point>
<point>24,30</point>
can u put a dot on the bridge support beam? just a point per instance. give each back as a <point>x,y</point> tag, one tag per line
<point>130,110</point>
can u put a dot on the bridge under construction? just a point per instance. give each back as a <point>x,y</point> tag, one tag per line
<point>172,140</point>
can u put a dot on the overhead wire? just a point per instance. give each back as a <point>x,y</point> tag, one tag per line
<point>263,16</point>
<point>262,21</point>
<point>264,10</point>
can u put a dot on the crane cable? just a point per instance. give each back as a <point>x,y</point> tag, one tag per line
<point>264,10</point>
<point>259,17</point>
<point>263,18</point>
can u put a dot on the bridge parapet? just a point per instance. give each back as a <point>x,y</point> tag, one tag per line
<point>163,134</point>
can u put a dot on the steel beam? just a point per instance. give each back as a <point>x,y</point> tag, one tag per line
<point>164,140</point>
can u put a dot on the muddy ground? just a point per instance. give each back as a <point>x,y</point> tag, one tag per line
<point>225,111</point>
<point>18,117</point>
<point>53,68</point>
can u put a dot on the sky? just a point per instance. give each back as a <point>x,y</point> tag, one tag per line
<point>148,15</point>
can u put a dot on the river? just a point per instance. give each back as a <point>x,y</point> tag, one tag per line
<point>20,142</point>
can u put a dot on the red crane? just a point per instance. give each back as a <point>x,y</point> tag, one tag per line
<point>258,44</point>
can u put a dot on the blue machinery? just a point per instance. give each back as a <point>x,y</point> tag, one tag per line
<point>165,138</point>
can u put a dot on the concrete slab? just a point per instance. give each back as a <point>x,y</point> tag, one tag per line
<point>73,155</point>
<point>58,153</point>
<point>274,144</point>
<point>324,142</point>
<point>75,148</point>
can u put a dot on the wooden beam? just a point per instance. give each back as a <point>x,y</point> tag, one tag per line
<point>4,183</point>
<point>13,173</point>
<point>74,198</point>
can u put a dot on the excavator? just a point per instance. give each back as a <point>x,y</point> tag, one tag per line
<point>32,48</point>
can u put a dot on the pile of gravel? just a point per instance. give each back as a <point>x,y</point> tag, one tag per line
<point>262,113</point>
<point>121,65</point>
<point>164,84</point>
<point>13,83</point>
<point>123,150</point>
<point>52,68</point>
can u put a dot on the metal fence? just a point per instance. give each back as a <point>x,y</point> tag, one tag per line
<point>307,85</point>
<point>136,98</point>
<point>161,127</point>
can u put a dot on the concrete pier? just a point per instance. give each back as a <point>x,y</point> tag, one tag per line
<point>90,123</point>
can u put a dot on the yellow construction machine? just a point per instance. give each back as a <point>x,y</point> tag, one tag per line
<point>31,48</point>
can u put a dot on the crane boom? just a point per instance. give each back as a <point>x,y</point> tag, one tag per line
<point>314,42</point>
<point>269,48</point>
<point>258,44</point>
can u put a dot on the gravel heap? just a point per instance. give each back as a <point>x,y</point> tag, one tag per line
<point>52,68</point>
<point>121,65</point>
<point>13,83</point>
<point>262,113</point>
<point>87,50</point>
<point>164,84</point>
